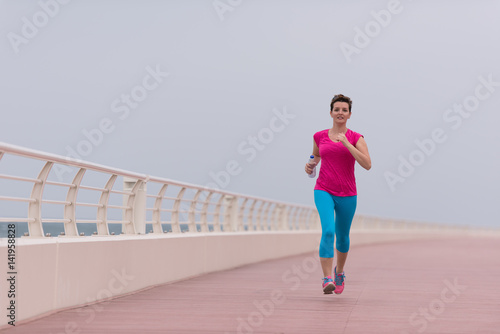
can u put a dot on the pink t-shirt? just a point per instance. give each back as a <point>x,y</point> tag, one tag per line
<point>336,174</point>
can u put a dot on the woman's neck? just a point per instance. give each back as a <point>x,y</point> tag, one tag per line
<point>339,128</point>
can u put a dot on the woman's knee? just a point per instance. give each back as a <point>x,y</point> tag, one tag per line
<point>343,244</point>
<point>327,234</point>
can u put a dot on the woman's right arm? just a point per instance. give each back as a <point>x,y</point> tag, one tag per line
<point>310,166</point>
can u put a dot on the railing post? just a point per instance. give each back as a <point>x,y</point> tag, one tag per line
<point>251,227</point>
<point>204,218</point>
<point>362,222</point>
<point>231,210</point>
<point>258,221</point>
<point>140,208</point>
<point>157,228</point>
<point>241,214</point>
<point>174,221</point>
<point>137,202</point>
<point>302,219</point>
<point>310,219</point>
<point>283,218</point>
<point>218,212</point>
<point>317,220</point>
<point>274,225</point>
<point>265,218</point>
<point>192,212</point>
<point>70,229</point>
<point>35,227</point>
<point>295,219</point>
<point>102,212</point>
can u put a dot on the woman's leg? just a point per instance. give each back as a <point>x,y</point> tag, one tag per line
<point>344,212</point>
<point>325,205</point>
<point>341,258</point>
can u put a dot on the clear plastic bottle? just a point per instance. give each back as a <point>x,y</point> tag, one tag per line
<point>313,174</point>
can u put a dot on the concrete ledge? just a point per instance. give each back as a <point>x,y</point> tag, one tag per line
<point>58,273</point>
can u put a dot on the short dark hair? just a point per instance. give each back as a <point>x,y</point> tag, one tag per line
<point>341,98</point>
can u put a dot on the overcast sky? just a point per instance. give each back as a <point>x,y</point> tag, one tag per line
<point>187,89</point>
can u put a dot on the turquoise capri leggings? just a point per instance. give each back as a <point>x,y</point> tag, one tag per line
<point>336,214</point>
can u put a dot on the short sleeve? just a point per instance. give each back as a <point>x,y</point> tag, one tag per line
<point>316,138</point>
<point>355,137</point>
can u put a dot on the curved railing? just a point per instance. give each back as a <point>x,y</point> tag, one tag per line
<point>136,202</point>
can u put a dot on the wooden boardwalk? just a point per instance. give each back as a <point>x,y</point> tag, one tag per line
<point>448,285</point>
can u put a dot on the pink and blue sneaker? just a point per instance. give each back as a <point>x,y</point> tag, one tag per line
<point>328,285</point>
<point>339,282</point>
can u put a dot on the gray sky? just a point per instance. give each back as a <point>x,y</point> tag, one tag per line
<point>417,71</point>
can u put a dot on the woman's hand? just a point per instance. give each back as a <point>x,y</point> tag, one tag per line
<point>342,138</point>
<point>360,153</point>
<point>310,166</point>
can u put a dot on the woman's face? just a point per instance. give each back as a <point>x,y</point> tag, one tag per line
<point>340,112</point>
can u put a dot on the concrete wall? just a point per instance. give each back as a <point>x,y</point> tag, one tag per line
<point>63,272</point>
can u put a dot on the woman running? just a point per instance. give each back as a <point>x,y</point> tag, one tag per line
<point>335,193</point>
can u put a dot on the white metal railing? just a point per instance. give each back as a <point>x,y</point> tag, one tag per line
<point>167,205</point>
<point>185,207</point>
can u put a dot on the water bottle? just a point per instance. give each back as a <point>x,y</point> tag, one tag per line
<point>313,174</point>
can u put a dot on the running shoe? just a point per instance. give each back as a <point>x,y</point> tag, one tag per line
<point>328,286</point>
<point>339,282</point>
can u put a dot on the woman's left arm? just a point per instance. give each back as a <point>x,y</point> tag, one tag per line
<point>359,152</point>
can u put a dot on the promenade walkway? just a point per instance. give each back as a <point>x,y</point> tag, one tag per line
<point>446,285</point>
